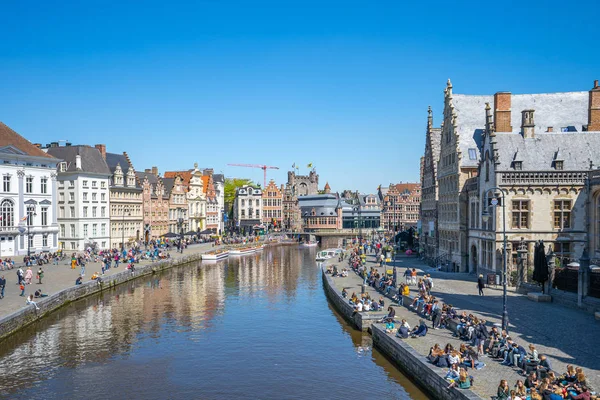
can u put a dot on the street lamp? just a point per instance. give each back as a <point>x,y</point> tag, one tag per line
<point>494,202</point>
<point>180,225</point>
<point>125,212</point>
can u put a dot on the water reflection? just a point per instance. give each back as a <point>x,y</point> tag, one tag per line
<point>260,320</point>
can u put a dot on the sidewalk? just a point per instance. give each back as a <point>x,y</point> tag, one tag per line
<point>564,340</point>
<point>59,277</point>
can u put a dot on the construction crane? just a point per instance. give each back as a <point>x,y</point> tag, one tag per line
<point>263,167</point>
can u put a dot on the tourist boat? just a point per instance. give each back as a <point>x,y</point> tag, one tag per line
<point>311,243</point>
<point>215,255</point>
<point>327,254</point>
<point>240,251</point>
<point>259,248</point>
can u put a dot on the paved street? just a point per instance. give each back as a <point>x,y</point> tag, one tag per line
<point>59,277</point>
<point>561,333</point>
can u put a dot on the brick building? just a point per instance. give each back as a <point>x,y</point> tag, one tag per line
<point>400,206</point>
<point>272,198</point>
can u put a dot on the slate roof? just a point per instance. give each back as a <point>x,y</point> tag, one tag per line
<point>152,179</point>
<point>558,110</point>
<point>436,137</point>
<point>323,204</point>
<point>114,159</point>
<point>537,154</point>
<point>470,119</point>
<point>91,159</point>
<point>168,184</point>
<point>9,137</point>
<point>219,178</point>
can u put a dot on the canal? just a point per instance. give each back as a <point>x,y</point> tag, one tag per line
<point>250,327</point>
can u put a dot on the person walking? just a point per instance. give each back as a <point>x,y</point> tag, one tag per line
<point>2,286</point>
<point>28,275</point>
<point>22,287</point>
<point>82,273</point>
<point>20,275</point>
<point>40,275</point>
<point>480,284</point>
<point>73,261</point>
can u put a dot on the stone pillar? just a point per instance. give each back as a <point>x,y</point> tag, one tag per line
<point>21,175</point>
<point>551,267</point>
<point>582,277</point>
<point>522,267</point>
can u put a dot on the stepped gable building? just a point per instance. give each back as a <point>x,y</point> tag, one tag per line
<point>429,189</point>
<point>176,191</point>
<point>400,206</point>
<point>541,150</point>
<point>272,207</point>
<point>83,197</point>
<point>460,141</point>
<point>196,199</point>
<point>213,212</point>
<point>156,204</point>
<point>125,193</point>
<point>29,196</point>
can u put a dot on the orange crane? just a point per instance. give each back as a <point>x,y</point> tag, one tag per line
<point>263,167</point>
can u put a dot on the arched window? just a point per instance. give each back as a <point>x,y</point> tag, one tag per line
<point>7,213</point>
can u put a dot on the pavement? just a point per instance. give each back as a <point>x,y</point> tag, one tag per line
<point>565,335</point>
<point>59,277</point>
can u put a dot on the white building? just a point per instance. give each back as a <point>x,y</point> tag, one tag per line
<point>196,201</point>
<point>28,202</point>
<point>83,197</point>
<point>247,207</point>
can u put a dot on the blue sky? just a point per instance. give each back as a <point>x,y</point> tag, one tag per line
<point>344,85</point>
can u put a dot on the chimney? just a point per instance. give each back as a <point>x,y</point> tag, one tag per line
<point>53,144</point>
<point>78,162</point>
<point>147,171</point>
<point>155,171</point>
<point>550,129</point>
<point>527,125</point>
<point>38,145</point>
<point>102,149</point>
<point>594,108</point>
<point>502,112</point>
<point>67,144</point>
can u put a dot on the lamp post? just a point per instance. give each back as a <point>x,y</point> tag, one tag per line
<point>494,202</point>
<point>125,212</point>
<point>180,221</point>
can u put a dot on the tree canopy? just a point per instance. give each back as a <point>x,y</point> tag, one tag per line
<point>231,184</point>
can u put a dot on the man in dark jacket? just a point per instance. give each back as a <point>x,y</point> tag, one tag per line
<point>543,367</point>
<point>2,286</point>
<point>480,284</point>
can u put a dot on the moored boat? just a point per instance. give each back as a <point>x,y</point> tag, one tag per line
<point>327,254</point>
<point>215,255</point>
<point>241,251</point>
<point>310,244</point>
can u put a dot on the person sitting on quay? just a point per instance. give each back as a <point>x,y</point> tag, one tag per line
<point>38,294</point>
<point>419,331</point>
<point>453,373</point>
<point>94,276</point>
<point>390,316</point>
<point>344,293</point>
<point>463,382</point>
<point>344,273</point>
<point>389,326</point>
<point>78,280</point>
<point>403,331</point>
<point>30,301</point>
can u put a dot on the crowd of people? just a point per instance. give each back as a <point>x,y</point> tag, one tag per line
<point>539,380</point>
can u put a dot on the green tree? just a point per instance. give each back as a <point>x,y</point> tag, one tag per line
<point>231,185</point>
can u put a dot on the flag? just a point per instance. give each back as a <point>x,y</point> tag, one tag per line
<point>294,166</point>
<point>310,165</point>
<point>379,187</point>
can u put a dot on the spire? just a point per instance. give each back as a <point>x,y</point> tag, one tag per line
<point>449,88</point>
<point>429,119</point>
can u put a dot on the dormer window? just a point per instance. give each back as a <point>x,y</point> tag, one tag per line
<point>558,165</point>
<point>472,154</point>
<point>518,165</point>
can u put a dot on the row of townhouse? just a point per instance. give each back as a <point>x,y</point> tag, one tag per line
<point>71,197</point>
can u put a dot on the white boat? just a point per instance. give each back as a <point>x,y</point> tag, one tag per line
<point>241,251</point>
<point>215,255</point>
<point>327,254</point>
<point>310,244</point>
<point>259,248</point>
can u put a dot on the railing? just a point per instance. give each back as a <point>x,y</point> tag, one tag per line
<point>543,178</point>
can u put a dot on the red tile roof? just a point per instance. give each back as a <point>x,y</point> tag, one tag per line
<point>8,137</point>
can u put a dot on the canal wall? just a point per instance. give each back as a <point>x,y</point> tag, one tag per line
<point>28,315</point>
<point>409,361</point>
<point>361,321</point>
<point>416,366</point>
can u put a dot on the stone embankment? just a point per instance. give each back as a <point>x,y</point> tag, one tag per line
<point>410,361</point>
<point>11,323</point>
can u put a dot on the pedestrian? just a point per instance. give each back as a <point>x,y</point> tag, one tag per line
<point>480,284</point>
<point>2,286</point>
<point>30,301</point>
<point>73,261</point>
<point>407,276</point>
<point>22,287</point>
<point>28,275</point>
<point>40,275</point>
<point>20,276</point>
<point>82,273</point>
